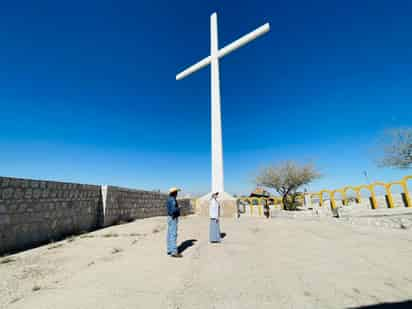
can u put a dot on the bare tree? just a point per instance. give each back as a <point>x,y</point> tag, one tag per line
<point>397,149</point>
<point>286,178</point>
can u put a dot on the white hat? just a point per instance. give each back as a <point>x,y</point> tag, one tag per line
<point>174,189</point>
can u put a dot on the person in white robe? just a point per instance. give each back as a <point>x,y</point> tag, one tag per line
<point>214,213</point>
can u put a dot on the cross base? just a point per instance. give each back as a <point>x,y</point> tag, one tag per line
<point>228,205</point>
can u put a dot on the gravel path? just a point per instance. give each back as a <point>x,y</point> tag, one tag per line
<point>277,263</point>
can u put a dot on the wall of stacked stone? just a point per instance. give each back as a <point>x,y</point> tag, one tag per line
<point>33,212</point>
<point>123,204</point>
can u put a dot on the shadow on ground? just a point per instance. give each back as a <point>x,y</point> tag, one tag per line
<point>400,305</point>
<point>186,244</point>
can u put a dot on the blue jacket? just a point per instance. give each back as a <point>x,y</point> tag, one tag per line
<point>172,207</point>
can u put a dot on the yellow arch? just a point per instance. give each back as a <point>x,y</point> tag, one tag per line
<point>356,190</point>
<point>249,204</point>
<point>321,197</point>
<point>391,184</point>
<point>406,191</point>
<point>372,194</point>
<point>341,191</point>
<point>252,199</point>
<point>333,200</point>
<point>388,192</point>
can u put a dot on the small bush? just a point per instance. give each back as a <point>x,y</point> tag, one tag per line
<point>116,250</point>
<point>55,246</point>
<point>87,236</point>
<point>111,235</point>
<point>134,234</point>
<point>15,300</point>
<point>71,239</point>
<point>7,260</point>
<point>36,288</point>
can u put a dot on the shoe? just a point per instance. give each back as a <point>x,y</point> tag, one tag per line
<point>176,255</point>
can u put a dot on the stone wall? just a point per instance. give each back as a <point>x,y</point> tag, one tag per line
<point>34,212</point>
<point>123,204</point>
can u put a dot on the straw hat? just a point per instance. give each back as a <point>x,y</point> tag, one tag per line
<point>174,189</point>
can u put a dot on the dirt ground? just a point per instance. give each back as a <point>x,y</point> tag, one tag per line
<point>276,263</point>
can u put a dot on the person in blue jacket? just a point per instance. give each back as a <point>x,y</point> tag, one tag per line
<point>173,213</point>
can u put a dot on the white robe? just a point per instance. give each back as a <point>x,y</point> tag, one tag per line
<point>214,209</point>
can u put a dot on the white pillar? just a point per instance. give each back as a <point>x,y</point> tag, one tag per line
<point>217,151</point>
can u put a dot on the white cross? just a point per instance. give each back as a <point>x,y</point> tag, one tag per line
<point>213,59</point>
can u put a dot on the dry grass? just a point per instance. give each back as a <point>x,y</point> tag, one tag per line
<point>108,235</point>
<point>36,288</point>
<point>55,246</point>
<point>71,239</point>
<point>403,226</point>
<point>15,300</point>
<point>255,230</point>
<point>87,236</point>
<point>116,250</point>
<point>125,221</point>
<point>7,260</point>
<point>135,234</point>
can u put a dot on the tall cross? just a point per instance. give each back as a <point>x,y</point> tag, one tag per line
<point>213,59</point>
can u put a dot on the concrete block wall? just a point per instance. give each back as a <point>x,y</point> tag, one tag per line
<point>34,212</point>
<point>123,204</point>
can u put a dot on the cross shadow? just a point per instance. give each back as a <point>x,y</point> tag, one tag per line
<point>400,305</point>
<point>186,244</point>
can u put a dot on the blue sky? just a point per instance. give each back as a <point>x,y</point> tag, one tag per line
<point>88,91</point>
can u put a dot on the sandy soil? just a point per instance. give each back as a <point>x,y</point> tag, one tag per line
<point>277,263</point>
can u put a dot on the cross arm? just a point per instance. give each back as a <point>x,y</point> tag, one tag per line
<point>197,66</point>
<point>225,50</point>
<point>244,40</point>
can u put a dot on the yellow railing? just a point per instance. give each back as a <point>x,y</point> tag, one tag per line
<point>255,201</point>
<point>371,192</point>
<point>331,195</point>
<point>254,205</point>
